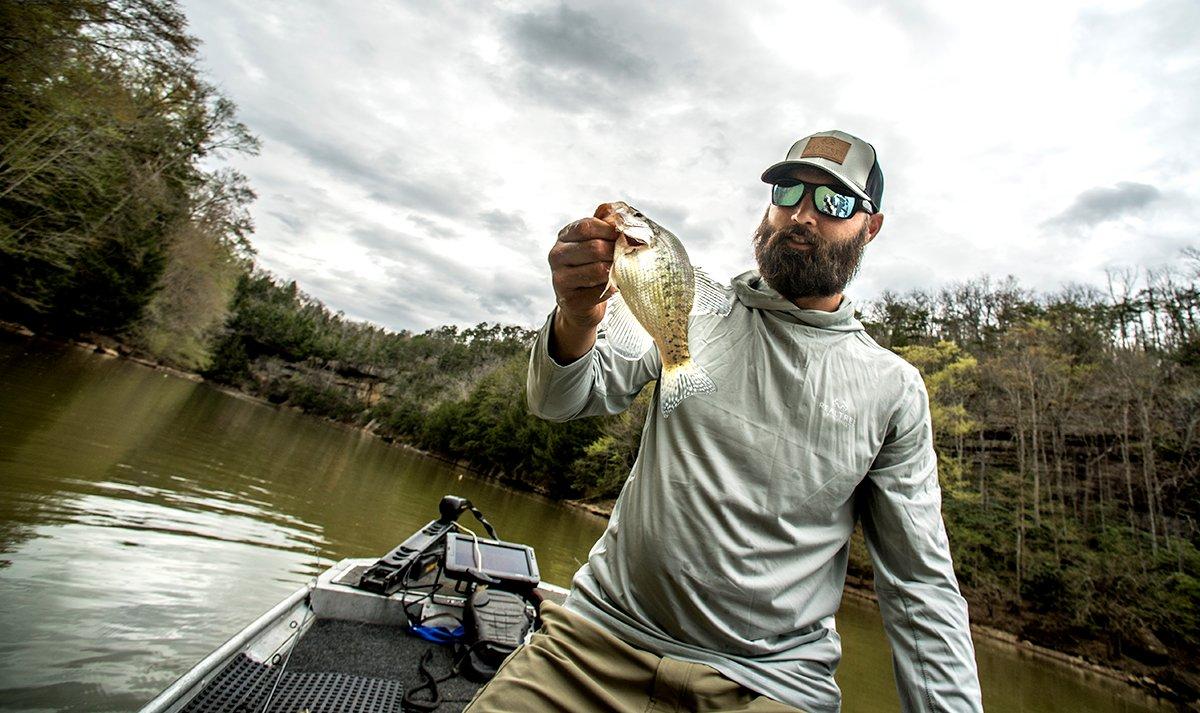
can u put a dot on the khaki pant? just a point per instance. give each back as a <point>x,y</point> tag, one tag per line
<point>570,664</point>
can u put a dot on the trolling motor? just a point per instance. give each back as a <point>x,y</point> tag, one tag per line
<point>387,576</point>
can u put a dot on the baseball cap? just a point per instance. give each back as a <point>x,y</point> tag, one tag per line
<point>847,158</point>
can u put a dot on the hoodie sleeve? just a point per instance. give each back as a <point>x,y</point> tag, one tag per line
<point>923,613</point>
<point>599,382</point>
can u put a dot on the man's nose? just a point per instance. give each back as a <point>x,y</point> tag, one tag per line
<point>804,213</point>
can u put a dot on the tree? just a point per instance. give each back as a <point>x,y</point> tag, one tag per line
<point>104,126</point>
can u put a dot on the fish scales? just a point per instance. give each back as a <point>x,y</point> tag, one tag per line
<point>657,284</point>
<point>659,290</point>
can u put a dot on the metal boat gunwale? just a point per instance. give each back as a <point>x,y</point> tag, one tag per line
<point>177,693</point>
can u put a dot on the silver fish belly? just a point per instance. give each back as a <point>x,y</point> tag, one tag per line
<point>659,289</point>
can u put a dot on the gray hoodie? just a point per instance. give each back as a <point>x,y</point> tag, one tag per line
<point>729,542</point>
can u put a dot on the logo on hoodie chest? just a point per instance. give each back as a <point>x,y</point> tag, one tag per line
<point>839,412</point>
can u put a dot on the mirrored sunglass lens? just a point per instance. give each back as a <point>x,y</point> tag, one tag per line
<point>787,196</point>
<point>832,203</point>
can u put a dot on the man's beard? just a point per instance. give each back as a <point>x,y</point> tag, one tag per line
<point>823,270</point>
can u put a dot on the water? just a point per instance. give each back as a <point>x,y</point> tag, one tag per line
<point>145,518</point>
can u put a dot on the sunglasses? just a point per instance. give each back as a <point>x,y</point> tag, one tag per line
<point>827,201</point>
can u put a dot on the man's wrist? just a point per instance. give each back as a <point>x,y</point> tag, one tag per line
<point>570,338</point>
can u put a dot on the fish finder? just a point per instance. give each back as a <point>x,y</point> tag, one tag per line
<point>506,565</point>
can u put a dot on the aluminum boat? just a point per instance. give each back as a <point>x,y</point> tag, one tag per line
<point>336,645</point>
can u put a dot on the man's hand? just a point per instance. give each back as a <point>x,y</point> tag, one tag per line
<point>579,265</point>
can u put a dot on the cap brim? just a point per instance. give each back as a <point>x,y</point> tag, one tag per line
<point>778,170</point>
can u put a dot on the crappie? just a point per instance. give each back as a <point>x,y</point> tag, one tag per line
<point>659,289</point>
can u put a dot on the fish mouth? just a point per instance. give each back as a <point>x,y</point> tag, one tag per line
<point>636,232</point>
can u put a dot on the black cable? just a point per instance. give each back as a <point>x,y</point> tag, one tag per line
<point>430,684</point>
<point>491,531</point>
<point>434,589</point>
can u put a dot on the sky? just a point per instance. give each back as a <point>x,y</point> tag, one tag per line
<point>418,159</point>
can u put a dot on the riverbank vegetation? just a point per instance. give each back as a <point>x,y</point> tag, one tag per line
<point>1066,428</point>
<point>110,219</point>
<point>1066,422</point>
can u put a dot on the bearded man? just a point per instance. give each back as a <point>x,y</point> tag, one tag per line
<point>716,583</point>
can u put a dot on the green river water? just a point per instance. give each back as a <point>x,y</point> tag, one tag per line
<point>145,518</point>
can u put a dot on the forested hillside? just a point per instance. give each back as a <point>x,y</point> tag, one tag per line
<point>110,218</point>
<point>458,393</point>
<point>1067,434</point>
<point>1066,422</point>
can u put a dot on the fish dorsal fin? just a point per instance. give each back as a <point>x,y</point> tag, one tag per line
<point>711,296</point>
<point>622,330</point>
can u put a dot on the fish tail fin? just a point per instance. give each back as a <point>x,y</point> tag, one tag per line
<point>680,381</point>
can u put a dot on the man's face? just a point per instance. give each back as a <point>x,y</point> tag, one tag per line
<point>803,253</point>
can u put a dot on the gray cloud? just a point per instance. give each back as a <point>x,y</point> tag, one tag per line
<point>383,174</point>
<point>1102,204</point>
<point>435,195</point>
<point>431,226</point>
<point>422,287</point>
<point>575,61</point>
<point>414,253</point>
<point>1151,49</point>
<point>1169,26</point>
<point>568,40</point>
<point>693,233</point>
<point>293,222</point>
<point>668,215</point>
<point>402,302</point>
<point>379,241</point>
<point>502,224</point>
<point>373,121</point>
<point>514,292</point>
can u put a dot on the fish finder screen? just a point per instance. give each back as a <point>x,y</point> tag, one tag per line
<point>496,558</point>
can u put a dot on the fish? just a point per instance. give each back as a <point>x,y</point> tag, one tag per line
<point>657,290</point>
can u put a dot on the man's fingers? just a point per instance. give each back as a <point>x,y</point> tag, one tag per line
<point>605,210</point>
<point>587,229</point>
<point>583,298</point>
<point>582,276</point>
<point>582,253</point>
<point>580,262</point>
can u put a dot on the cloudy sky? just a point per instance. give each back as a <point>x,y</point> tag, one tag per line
<point>419,158</point>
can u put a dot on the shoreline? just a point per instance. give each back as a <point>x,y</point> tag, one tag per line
<point>856,588</point>
<point>98,347</point>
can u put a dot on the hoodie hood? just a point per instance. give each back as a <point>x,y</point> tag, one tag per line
<point>755,293</point>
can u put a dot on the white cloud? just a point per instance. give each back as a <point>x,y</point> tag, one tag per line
<point>418,159</point>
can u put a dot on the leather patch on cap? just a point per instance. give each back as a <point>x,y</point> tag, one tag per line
<point>827,147</point>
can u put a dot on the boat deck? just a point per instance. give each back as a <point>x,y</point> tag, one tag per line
<point>382,652</point>
<point>336,666</point>
<point>352,654</point>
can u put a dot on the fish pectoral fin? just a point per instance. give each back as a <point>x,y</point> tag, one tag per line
<point>628,338</point>
<point>711,296</point>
